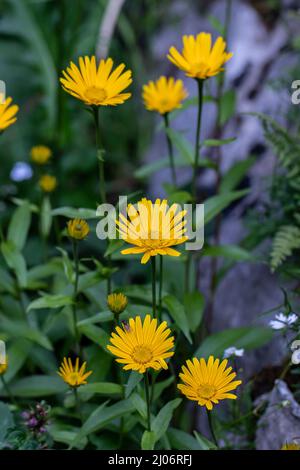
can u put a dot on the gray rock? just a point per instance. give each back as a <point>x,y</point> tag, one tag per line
<point>280,422</point>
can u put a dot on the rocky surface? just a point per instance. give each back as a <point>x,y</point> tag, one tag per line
<point>280,422</point>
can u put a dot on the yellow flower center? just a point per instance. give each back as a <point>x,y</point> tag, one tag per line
<point>206,391</point>
<point>73,378</point>
<point>142,354</point>
<point>95,94</point>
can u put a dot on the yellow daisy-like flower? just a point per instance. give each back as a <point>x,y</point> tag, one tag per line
<point>199,58</point>
<point>40,154</point>
<point>290,446</point>
<point>117,303</point>
<point>97,85</point>
<point>78,229</point>
<point>153,228</point>
<point>208,383</point>
<point>7,114</point>
<point>73,375</point>
<point>141,346</point>
<point>164,95</point>
<point>48,183</point>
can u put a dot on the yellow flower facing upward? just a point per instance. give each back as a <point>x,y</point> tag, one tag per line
<point>40,154</point>
<point>117,303</point>
<point>73,375</point>
<point>199,58</point>
<point>48,183</point>
<point>164,95</point>
<point>141,346</point>
<point>153,228</point>
<point>78,229</point>
<point>208,382</point>
<point>7,114</point>
<point>97,85</point>
<point>290,446</point>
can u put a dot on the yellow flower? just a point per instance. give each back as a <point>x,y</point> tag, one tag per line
<point>117,303</point>
<point>142,346</point>
<point>78,229</point>
<point>290,446</point>
<point>73,375</point>
<point>7,114</point>
<point>153,228</point>
<point>199,59</point>
<point>48,183</point>
<point>208,383</point>
<point>40,154</point>
<point>97,85</point>
<point>164,95</point>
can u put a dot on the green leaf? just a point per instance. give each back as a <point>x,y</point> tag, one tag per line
<point>66,435</point>
<point>6,420</point>
<point>102,416</point>
<point>159,387</point>
<point>100,317</point>
<point>204,443</point>
<point>161,422</point>
<point>179,197</point>
<point>139,404</point>
<point>33,33</point>
<point>227,106</point>
<point>216,24</point>
<point>20,329</point>
<point>37,386</point>
<point>113,246</point>
<point>96,334</point>
<point>194,303</point>
<point>215,204</point>
<point>182,145</point>
<point>217,142</point>
<point>248,337</point>
<point>7,283</point>
<point>50,301</point>
<point>235,175</point>
<point>15,261</point>
<point>73,213</point>
<point>45,217</point>
<point>101,388</point>
<point>134,379</point>
<point>178,314</point>
<point>148,440</point>
<point>19,226</point>
<point>182,441</point>
<point>232,252</point>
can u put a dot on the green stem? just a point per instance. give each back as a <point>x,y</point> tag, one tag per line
<point>211,427</point>
<point>170,148</point>
<point>153,266</point>
<point>7,390</point>
<point>77,404</point>
<point>161,269</point>
<point>74,306</point>
<point>147,400</point>
<point>100,154</point>
<point>198,135</point>
<point>187,272</point>
<point>102,190</point>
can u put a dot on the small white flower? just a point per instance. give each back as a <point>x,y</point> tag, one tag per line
<point>21,171</point>
<point>296,357</point>
<point>295,345</point>
<point>283,321</point>
<point>232,351</point>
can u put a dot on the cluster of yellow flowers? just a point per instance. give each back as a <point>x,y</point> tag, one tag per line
<point>140,346</point>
